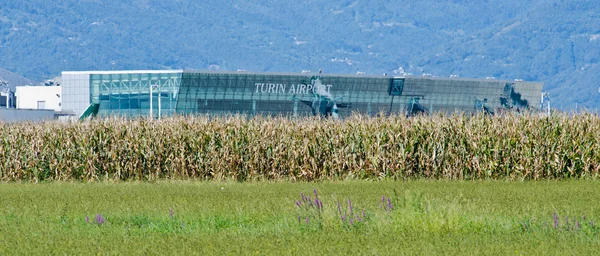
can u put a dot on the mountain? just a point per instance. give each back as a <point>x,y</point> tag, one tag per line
<point>13,79</point>
<point>556,42</point>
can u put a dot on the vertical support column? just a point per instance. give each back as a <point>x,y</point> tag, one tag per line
<point>295,108</point>
<point>150,86</point>
<point>170,90</point>
<point>159,96</point>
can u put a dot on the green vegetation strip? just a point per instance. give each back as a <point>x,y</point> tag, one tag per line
<point>420,217</point>
<point>509,147</point>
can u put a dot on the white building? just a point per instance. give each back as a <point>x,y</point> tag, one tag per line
<point>39,97</point>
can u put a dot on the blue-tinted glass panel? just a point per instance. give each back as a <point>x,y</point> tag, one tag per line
<point>130,94</point>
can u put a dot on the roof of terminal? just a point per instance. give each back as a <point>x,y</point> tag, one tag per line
<point>107,72</point>
<point>347,75</point>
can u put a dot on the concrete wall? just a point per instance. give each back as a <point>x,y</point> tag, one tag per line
<point>25,115</point>
<point>29,96</point>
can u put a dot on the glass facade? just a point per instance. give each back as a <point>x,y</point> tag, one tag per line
<point>137,93</point>
<point>281,94</point>
<point>470,95</point>
<point>330,95</point>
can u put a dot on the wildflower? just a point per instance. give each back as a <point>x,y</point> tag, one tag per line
<point>350,205</point>
<point>87,219</point>
<point>100,219</point>
<point>319,204</point>
<point>555,220</point>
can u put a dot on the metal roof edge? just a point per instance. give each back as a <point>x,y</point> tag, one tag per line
<point>108,72</point>
<point>100,72</point>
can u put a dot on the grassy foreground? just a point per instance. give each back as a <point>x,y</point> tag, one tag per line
<point>422,217</point>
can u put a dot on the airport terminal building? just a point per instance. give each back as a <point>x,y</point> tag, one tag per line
<point>168,92</point>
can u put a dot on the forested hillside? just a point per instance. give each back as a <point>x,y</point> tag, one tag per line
<point>557,42</point>
<point>13,79</point>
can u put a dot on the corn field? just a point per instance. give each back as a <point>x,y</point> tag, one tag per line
<point>458,147</point>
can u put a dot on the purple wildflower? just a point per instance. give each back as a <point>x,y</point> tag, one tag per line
<point>171,213</point>
<point>555,220</point>
<point>363,213</point>
<point>298,203</point>
<point>87,219</point>
<point>351,221</point>
<point>315,192</point>
<point>358,218</point>
<point>306,220</point>
<point>350,205</point>
<point>100,219</point>
<point>319,204</point>
<point>383,201</point>
<point>339,208</point>
<point>390,206</point>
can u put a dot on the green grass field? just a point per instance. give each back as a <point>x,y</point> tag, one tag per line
<point>425,217</point>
